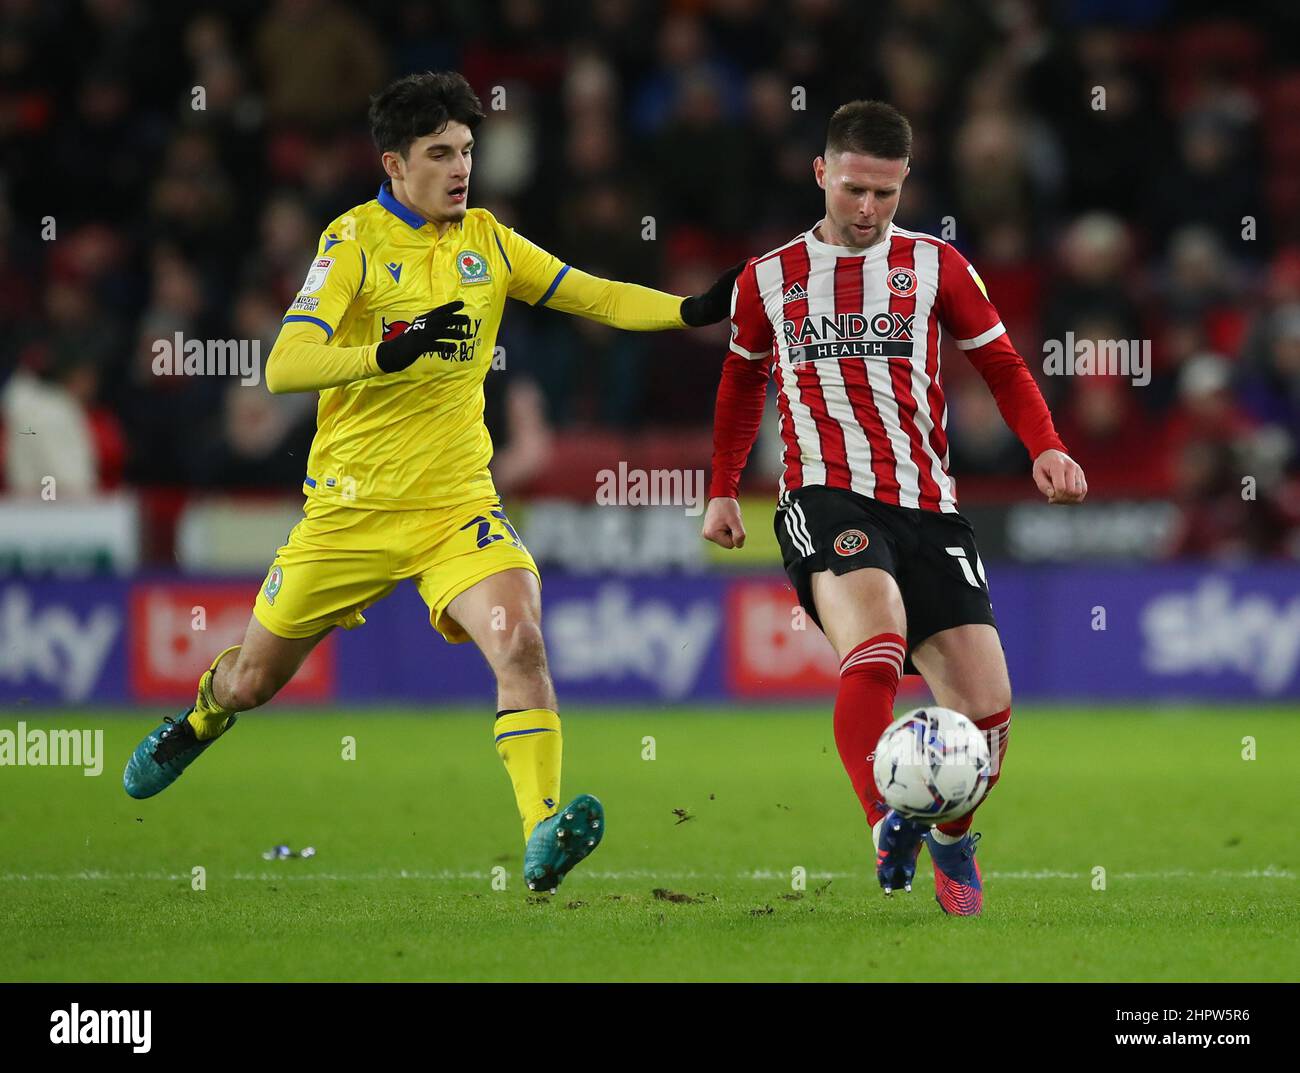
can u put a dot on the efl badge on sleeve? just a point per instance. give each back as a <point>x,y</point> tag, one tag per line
<point>316,275</point>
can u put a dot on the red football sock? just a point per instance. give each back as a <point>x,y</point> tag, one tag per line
<point>997,730</point>
<point>864,707</point>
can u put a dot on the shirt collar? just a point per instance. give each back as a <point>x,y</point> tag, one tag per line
<point>877,250</point>
<point>390,202</point>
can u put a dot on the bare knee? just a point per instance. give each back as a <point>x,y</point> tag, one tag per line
<point>521,654</point>
<point>979,700</point>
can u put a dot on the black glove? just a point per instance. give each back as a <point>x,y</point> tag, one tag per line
<point>435,332</point>
<point>715,303</point>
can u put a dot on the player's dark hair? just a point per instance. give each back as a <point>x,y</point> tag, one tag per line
<point>421,104</point>
<point>872,128</point>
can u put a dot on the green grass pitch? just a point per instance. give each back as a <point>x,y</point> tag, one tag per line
<point>1199,848</point>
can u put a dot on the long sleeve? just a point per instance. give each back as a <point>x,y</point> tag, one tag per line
<point>620,305</point>
<point>967,314</point>
<point>738,413</point>
<point>1019,400</point>
<point>301,361</point>
<point>542,279</point>
<point>737,417</point>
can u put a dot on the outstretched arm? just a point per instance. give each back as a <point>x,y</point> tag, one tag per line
<point>636,308</point>
<point>966,312</point>
<point>542,279</point>
<point>620,305</point>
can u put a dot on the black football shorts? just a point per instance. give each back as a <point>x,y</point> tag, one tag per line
<point>931,555</point>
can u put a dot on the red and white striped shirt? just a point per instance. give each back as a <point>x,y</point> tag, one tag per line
<point>853,337</point>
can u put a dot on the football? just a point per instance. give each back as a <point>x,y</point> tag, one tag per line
<point>932,765</point>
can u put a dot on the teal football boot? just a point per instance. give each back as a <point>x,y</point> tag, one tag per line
<point>168,750</point>
<point>561,841</point>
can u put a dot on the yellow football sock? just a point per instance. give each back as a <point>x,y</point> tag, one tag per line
<point>530,745</point>
<point>209,718</point>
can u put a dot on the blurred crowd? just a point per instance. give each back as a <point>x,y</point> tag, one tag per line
<point>1116,171</point>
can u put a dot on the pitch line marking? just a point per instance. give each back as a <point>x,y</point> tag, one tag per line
<point>757,875</point>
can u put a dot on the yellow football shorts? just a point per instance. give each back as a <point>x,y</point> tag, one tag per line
<point>339,560</point>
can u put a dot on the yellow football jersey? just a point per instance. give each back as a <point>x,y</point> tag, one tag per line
<point>416,438</point>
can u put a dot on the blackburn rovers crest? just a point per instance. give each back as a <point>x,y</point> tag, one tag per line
<point>473,267</point>
<point>274,580</point>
